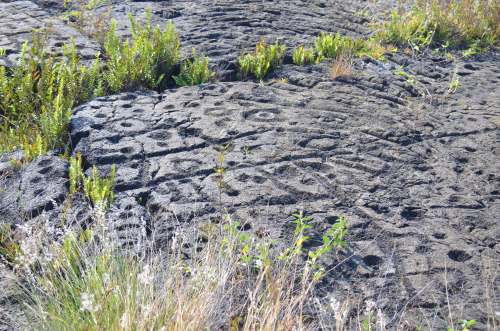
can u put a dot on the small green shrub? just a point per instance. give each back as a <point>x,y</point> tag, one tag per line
<point>143,62</point>
<point>98,190</point>
<point>263,60</point>
<point>37,95</point>
<point>302,55</point>
<point>333,45</point>
<point>195,71</point>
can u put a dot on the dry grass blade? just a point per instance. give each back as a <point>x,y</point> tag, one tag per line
<point>342,66</point>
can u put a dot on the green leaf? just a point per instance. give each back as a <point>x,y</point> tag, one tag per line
<point>325,250</point>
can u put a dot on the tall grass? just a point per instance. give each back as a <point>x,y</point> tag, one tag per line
<point>234,282</point>
<point>434,23</point>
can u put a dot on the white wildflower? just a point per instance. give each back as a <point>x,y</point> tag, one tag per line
<point>145,276</point>
<point>106,278</point>
<point>125,321</point>
<point>88,302</point>
<point>381,319</point>
<point>370,305</point>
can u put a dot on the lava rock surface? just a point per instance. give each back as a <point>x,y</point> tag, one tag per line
<point>417,178</point>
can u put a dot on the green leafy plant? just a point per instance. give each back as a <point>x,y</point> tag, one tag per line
<point>454,85</point>
<point>263,60</point>
<point>143,61</point>
<point>433,23</point>
<point>465,324</point>
<point>331,239</point>
<point>302,55</point>
<point>417,85</point>
<point>333,45</point>
<point>98,190</point>
<point>195,71</point>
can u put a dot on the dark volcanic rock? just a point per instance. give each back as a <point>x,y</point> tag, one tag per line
<point>40,187</point>
<point>417,179</point>
<point>19,18</point>
<point>43,185</point>
<point>417,182</point>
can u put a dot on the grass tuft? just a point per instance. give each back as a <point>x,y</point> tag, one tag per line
<point>433,23</point>
<point>86,281</point>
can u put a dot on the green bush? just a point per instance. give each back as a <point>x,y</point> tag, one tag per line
<point>143,62</point>
<point>332,45</point>
<point>262,61</point>
<point>195,71</point>
<point>302,55</point>
<point>37,95</point>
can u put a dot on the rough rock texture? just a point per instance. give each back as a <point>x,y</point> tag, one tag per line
<point>417,179</point>
<point>219,29</point>
<point>19,18</point>
<point>417,182</point>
